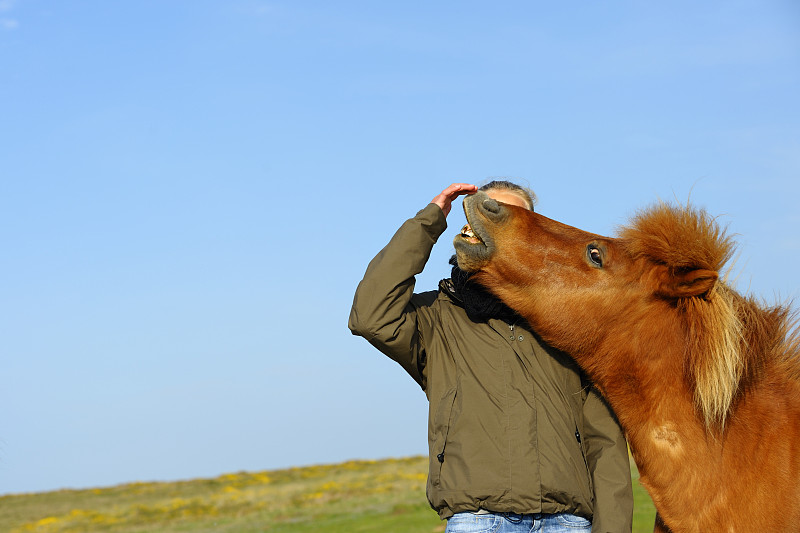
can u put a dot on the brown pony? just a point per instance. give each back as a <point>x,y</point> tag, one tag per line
<point>705,382</point>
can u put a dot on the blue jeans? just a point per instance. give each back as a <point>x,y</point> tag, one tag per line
<point>517,523</point>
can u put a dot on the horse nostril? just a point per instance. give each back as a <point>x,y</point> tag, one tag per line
<point>491,206</point>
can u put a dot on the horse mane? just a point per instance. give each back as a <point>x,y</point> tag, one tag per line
<point>729,339</point>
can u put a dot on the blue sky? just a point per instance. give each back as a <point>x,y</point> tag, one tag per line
<point>191,191</point>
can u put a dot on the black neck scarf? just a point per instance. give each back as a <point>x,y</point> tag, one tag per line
<point>480,304</point>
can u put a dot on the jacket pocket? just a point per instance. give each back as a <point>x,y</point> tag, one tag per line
<point>441,427</point>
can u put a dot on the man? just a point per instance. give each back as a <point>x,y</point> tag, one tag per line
<point>517,438</point>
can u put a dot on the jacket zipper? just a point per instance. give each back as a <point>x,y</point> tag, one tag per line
<point>440,456</point>
<point>583,454</point>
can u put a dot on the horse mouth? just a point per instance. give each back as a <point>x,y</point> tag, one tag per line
<point>473,244</point>
<point>473,232</point>
<point>469,235</point>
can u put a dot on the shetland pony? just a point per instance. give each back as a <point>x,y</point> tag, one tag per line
<point>704,381</point>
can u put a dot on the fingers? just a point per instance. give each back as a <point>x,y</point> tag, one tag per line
<point>457,189</point>
<point>446,197</point>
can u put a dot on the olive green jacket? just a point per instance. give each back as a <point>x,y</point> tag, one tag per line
<point>512,426</point>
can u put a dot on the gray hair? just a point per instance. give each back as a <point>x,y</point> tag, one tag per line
<point>504,185</point>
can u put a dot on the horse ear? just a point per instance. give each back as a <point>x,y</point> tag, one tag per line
<point>688,284</point>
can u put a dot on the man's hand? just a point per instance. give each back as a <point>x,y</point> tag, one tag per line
<point>446,197</point>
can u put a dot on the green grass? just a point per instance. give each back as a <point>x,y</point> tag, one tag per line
<point>385,496</point>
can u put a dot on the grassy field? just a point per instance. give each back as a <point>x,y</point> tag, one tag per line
<point>386,496</point>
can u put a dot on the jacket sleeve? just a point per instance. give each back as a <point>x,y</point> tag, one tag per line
<point>607,455</point>
<point>385,309</point>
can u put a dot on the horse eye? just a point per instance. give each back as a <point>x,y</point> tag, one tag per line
<point>594,255</point>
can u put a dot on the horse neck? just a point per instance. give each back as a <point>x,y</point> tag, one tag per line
<point>641,375</point>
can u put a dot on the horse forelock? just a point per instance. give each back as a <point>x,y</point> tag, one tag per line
<point>680,237</point>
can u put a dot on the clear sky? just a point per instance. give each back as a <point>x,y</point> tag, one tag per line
<point>190,192</point>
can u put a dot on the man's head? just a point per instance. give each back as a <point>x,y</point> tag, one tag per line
<point>480,304</point>
<point>506,192</point>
